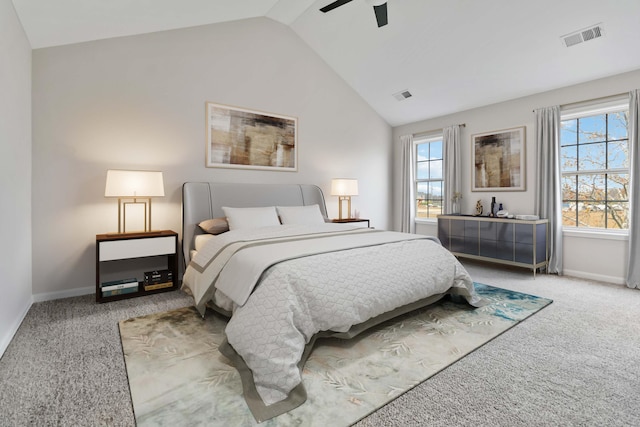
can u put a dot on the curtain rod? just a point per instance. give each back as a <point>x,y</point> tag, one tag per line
<point>589,101</point>
<point>427,132</point>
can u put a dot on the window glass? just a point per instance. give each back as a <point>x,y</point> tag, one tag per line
<point>592,129</point>
<point>617,126</point>
<point>618,154</point>
<point>423,152</point>
<point>570,157</point>
<point>592,156</point>
<point>594,152</point>
<point>569,132</point>
<point>435,169</point>
<point>435,149</point>
<point>429,180</point>
<point>422,170</point>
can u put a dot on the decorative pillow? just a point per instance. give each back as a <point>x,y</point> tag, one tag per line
<point>251,217</point>
<point>300,214</point>
<point>214,225</point>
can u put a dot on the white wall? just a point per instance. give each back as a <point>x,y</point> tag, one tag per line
<point>596,258</point>
<point>15,173</point>
<point>139,102</point>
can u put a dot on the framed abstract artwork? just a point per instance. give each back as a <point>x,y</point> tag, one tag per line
<point>498,160</point>
<point>247,139</point>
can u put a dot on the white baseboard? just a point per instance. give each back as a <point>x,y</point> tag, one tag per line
<point>48,296</point>
<point>593,276</point>
<point>5,340</point>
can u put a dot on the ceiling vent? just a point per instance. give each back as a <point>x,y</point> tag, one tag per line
<point>584,35</point>
<point>402,95</point>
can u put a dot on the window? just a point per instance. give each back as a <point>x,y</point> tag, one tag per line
<point>429,181</point>
<point>594,159</point>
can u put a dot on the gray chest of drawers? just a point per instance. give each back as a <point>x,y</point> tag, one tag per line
<point>508,241</point>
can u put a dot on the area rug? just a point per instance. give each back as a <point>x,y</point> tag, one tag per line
<point>178,377</point>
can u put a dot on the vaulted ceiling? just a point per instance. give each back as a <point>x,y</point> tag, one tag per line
<point>451,55</point>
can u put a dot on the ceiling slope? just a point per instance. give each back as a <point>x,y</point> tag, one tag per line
<point>451,55</point>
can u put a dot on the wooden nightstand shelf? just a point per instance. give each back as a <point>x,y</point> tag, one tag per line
<point>119,248</point>
<point>348,220</point>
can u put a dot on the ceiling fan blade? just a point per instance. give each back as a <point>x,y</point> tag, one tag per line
<point>333,5</point>
<point>381,14</point>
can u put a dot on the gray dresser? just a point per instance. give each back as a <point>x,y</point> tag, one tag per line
<point>508,241</point>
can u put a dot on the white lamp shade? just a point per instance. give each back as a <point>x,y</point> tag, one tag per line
<point>344,187</point>
<point>122,183</point>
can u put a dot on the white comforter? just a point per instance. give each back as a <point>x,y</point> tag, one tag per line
<point>327,277</point>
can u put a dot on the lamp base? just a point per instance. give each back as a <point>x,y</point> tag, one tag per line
<point>348,199</point>
<point>145,203</point>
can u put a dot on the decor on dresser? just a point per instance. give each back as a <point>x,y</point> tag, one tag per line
<point>344,188</point>
<point>499,160</point>
<point>455,202</point>
<point>248,139</point>
<point>177,377</point>
<point>134,187</point>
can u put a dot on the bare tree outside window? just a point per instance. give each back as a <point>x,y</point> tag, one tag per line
<point>429,179</point>
<point>594,153</point>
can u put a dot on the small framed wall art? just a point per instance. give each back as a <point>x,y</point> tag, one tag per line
<point>247,139</point>
<point>498,160</point>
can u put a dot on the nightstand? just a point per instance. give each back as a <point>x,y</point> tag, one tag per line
<point>116,252</point>
<point>348,220</point>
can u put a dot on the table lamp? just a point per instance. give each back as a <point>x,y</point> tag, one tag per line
<point>344,188</point>
<point>136,186</point>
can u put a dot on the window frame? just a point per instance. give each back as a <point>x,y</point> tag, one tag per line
<point>584,110</point>
<point>419,140</point>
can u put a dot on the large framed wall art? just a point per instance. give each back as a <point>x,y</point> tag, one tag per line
<point>247,139</point>
<point>498,160</point>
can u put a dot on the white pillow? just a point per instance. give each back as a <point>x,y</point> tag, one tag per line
<point>251,217</point>
<point>300,214</point>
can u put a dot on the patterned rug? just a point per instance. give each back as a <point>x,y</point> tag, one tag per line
<point>178,377</point>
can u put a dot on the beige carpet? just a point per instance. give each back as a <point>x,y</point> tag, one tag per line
<point>178,377</point>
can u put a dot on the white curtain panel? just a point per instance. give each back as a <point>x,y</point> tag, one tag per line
<point>408,198</point>
<point>633,269</point>
<point>548,197</point>
<point>452,180</point>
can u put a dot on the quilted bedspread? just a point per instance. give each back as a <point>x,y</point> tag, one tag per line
<point>297,296</point>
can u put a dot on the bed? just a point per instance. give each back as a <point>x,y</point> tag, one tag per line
<point>285,276</point>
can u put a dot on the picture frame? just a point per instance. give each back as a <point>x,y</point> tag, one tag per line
<point>241,138</point>
<point>499,160</point>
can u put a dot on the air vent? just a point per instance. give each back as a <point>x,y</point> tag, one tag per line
<point>402,95</point>
<point>584,35</point>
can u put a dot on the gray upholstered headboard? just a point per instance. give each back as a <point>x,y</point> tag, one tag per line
<point>204,200</point>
